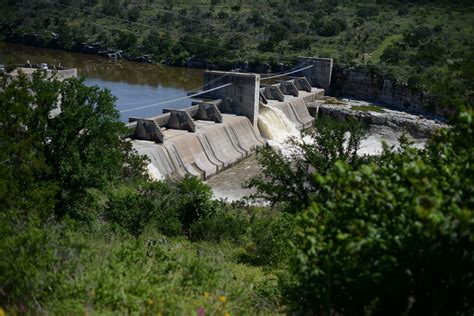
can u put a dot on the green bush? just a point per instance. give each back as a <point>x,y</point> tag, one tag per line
<point>289,179</point>
<point>150,204</point>
<point>394,54</point>
<point>226,223</point>
<point>415,35</point>
<point>195,201</point>
<point>394,237</point>
<point>328,27</point>
<point>270,236</point>
<point>26,260</point>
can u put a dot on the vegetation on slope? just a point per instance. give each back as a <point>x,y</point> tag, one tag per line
<point>417,42</point>
<point>83,230</point>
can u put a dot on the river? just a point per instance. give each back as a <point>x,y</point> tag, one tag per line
<point>134,84</point>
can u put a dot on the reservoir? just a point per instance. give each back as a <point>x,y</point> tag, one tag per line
<point>134,84</point>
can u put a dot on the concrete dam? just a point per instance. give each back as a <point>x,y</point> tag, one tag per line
<point>236,113</point>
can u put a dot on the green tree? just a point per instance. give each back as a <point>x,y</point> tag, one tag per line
<point>26,201</point>
<point>290,179</point>
<point>195,201</point>
<point>77,133</point>
<point>329,26</point>
<point>22,159</point>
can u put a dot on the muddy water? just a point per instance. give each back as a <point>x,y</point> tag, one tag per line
<point>134,84</point>
<point>228,183</point>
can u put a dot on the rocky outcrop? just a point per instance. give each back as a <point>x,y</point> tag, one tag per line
<point>416,125</point>
<point>364,84</point>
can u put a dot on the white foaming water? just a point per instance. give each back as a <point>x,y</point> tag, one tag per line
<point>154,173</point>
<point>274,125</point>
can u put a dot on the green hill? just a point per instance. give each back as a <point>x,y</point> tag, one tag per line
<point>415,41</point>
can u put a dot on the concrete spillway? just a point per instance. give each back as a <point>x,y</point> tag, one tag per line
<point>213,147</point>
<point>274,124</point>
<point>214,134</point>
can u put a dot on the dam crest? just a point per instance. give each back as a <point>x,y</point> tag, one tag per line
<point>235,114</point>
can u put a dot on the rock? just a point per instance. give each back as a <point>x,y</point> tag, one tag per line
<point>364,84</point>
<point>417,126</point>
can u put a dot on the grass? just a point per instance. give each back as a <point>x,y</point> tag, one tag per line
<point>157,275</point>
<point>367,108</point>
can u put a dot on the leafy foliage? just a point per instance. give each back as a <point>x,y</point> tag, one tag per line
<point>393,237</point>
<point>290,178</point>
<point>74,131</point>
<point>195,201</point>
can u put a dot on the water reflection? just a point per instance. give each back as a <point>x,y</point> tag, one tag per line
<point>134,84</point>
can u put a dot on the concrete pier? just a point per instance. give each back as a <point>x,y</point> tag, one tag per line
<point>319,75</point>
<point>241,98</point>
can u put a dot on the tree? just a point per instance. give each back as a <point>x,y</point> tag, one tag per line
<point>25,200</point>
<point>290,179</point>
<point>126,40</point>
<point>329,26</point>
<point>22,159</point>
<point>75,132</point>
<point>394,54</point>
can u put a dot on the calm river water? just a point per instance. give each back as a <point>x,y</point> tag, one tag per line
<point>134,84</point>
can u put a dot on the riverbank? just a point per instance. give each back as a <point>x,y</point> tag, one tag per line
<point>133,84</point>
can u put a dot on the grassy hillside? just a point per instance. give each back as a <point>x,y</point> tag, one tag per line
<point>416,42</point>
<point>226,31</point>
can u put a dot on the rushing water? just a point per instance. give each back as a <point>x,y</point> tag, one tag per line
<point>134,84</point>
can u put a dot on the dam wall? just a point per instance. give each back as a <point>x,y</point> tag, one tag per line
<point>225,126</point>
<point>292,100</point>
<point>211,148</point>
<point>320,75</point>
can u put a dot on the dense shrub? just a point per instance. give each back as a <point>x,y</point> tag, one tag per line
<point>152,203</point>
<point>366,11</point>
<point>329,26</point>
<point>393,238</point>
<point>301,42</point>
<point>26,260</point>
<point>270,236</point>
<point>394,54</point>
<point>195,201</point>
<point>226,223</point>
<point>415,35</point>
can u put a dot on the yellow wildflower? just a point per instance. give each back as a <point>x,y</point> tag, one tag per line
<point>2,312</point>
<point>222,298</point>
<point>149,301</point>
<point>206,294</point>
<point>227,314</point>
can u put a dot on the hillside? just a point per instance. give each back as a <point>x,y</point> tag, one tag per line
<point>416,42</point>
